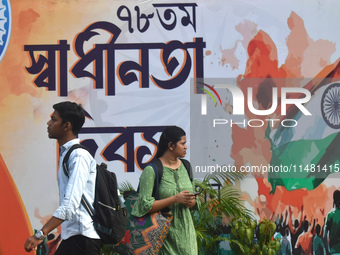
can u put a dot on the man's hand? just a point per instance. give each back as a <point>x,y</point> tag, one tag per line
<point>32,243</point>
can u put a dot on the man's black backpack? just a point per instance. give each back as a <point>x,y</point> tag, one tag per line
<point>109,218</point>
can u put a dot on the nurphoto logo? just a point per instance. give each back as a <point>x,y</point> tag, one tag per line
<point>282,97</point>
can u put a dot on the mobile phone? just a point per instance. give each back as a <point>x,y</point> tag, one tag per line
<point>197,193</point>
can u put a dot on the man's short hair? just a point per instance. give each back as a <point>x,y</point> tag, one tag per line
<point>71,112</point>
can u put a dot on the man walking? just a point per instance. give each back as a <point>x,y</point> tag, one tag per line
<point>77,231</point>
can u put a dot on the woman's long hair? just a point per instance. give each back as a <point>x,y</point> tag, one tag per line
<point>172,135</point>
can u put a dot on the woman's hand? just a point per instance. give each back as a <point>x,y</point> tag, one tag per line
<point>186,198</point>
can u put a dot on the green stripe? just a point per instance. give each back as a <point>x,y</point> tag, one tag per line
<point>305,153</point>
<point>206,91</point>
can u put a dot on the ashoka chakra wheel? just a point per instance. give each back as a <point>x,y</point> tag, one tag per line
<point>330,105</point>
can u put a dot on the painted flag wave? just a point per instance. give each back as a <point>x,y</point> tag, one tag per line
<point>311,149</point>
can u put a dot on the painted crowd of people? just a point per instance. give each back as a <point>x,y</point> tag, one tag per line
<point>300,236</point>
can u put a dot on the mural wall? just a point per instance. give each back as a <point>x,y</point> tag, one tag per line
<point>139,66</point>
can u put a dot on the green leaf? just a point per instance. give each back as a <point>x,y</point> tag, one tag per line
<point>125,186</point>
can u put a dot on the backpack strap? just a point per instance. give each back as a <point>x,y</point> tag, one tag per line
<point>67,156</point>
<point>157,166</point>
<point>158,169</point>
<point>84,201</point>
<point>187,165</point>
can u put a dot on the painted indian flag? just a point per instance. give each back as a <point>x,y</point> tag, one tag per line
<point>310,150</point>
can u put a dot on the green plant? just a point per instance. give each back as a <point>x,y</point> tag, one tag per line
<point>125,186</point>
<point>253,238</point>
<point>107,250</point>
<point>216,207</point>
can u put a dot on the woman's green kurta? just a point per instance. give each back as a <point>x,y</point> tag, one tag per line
<point>181,239</point>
